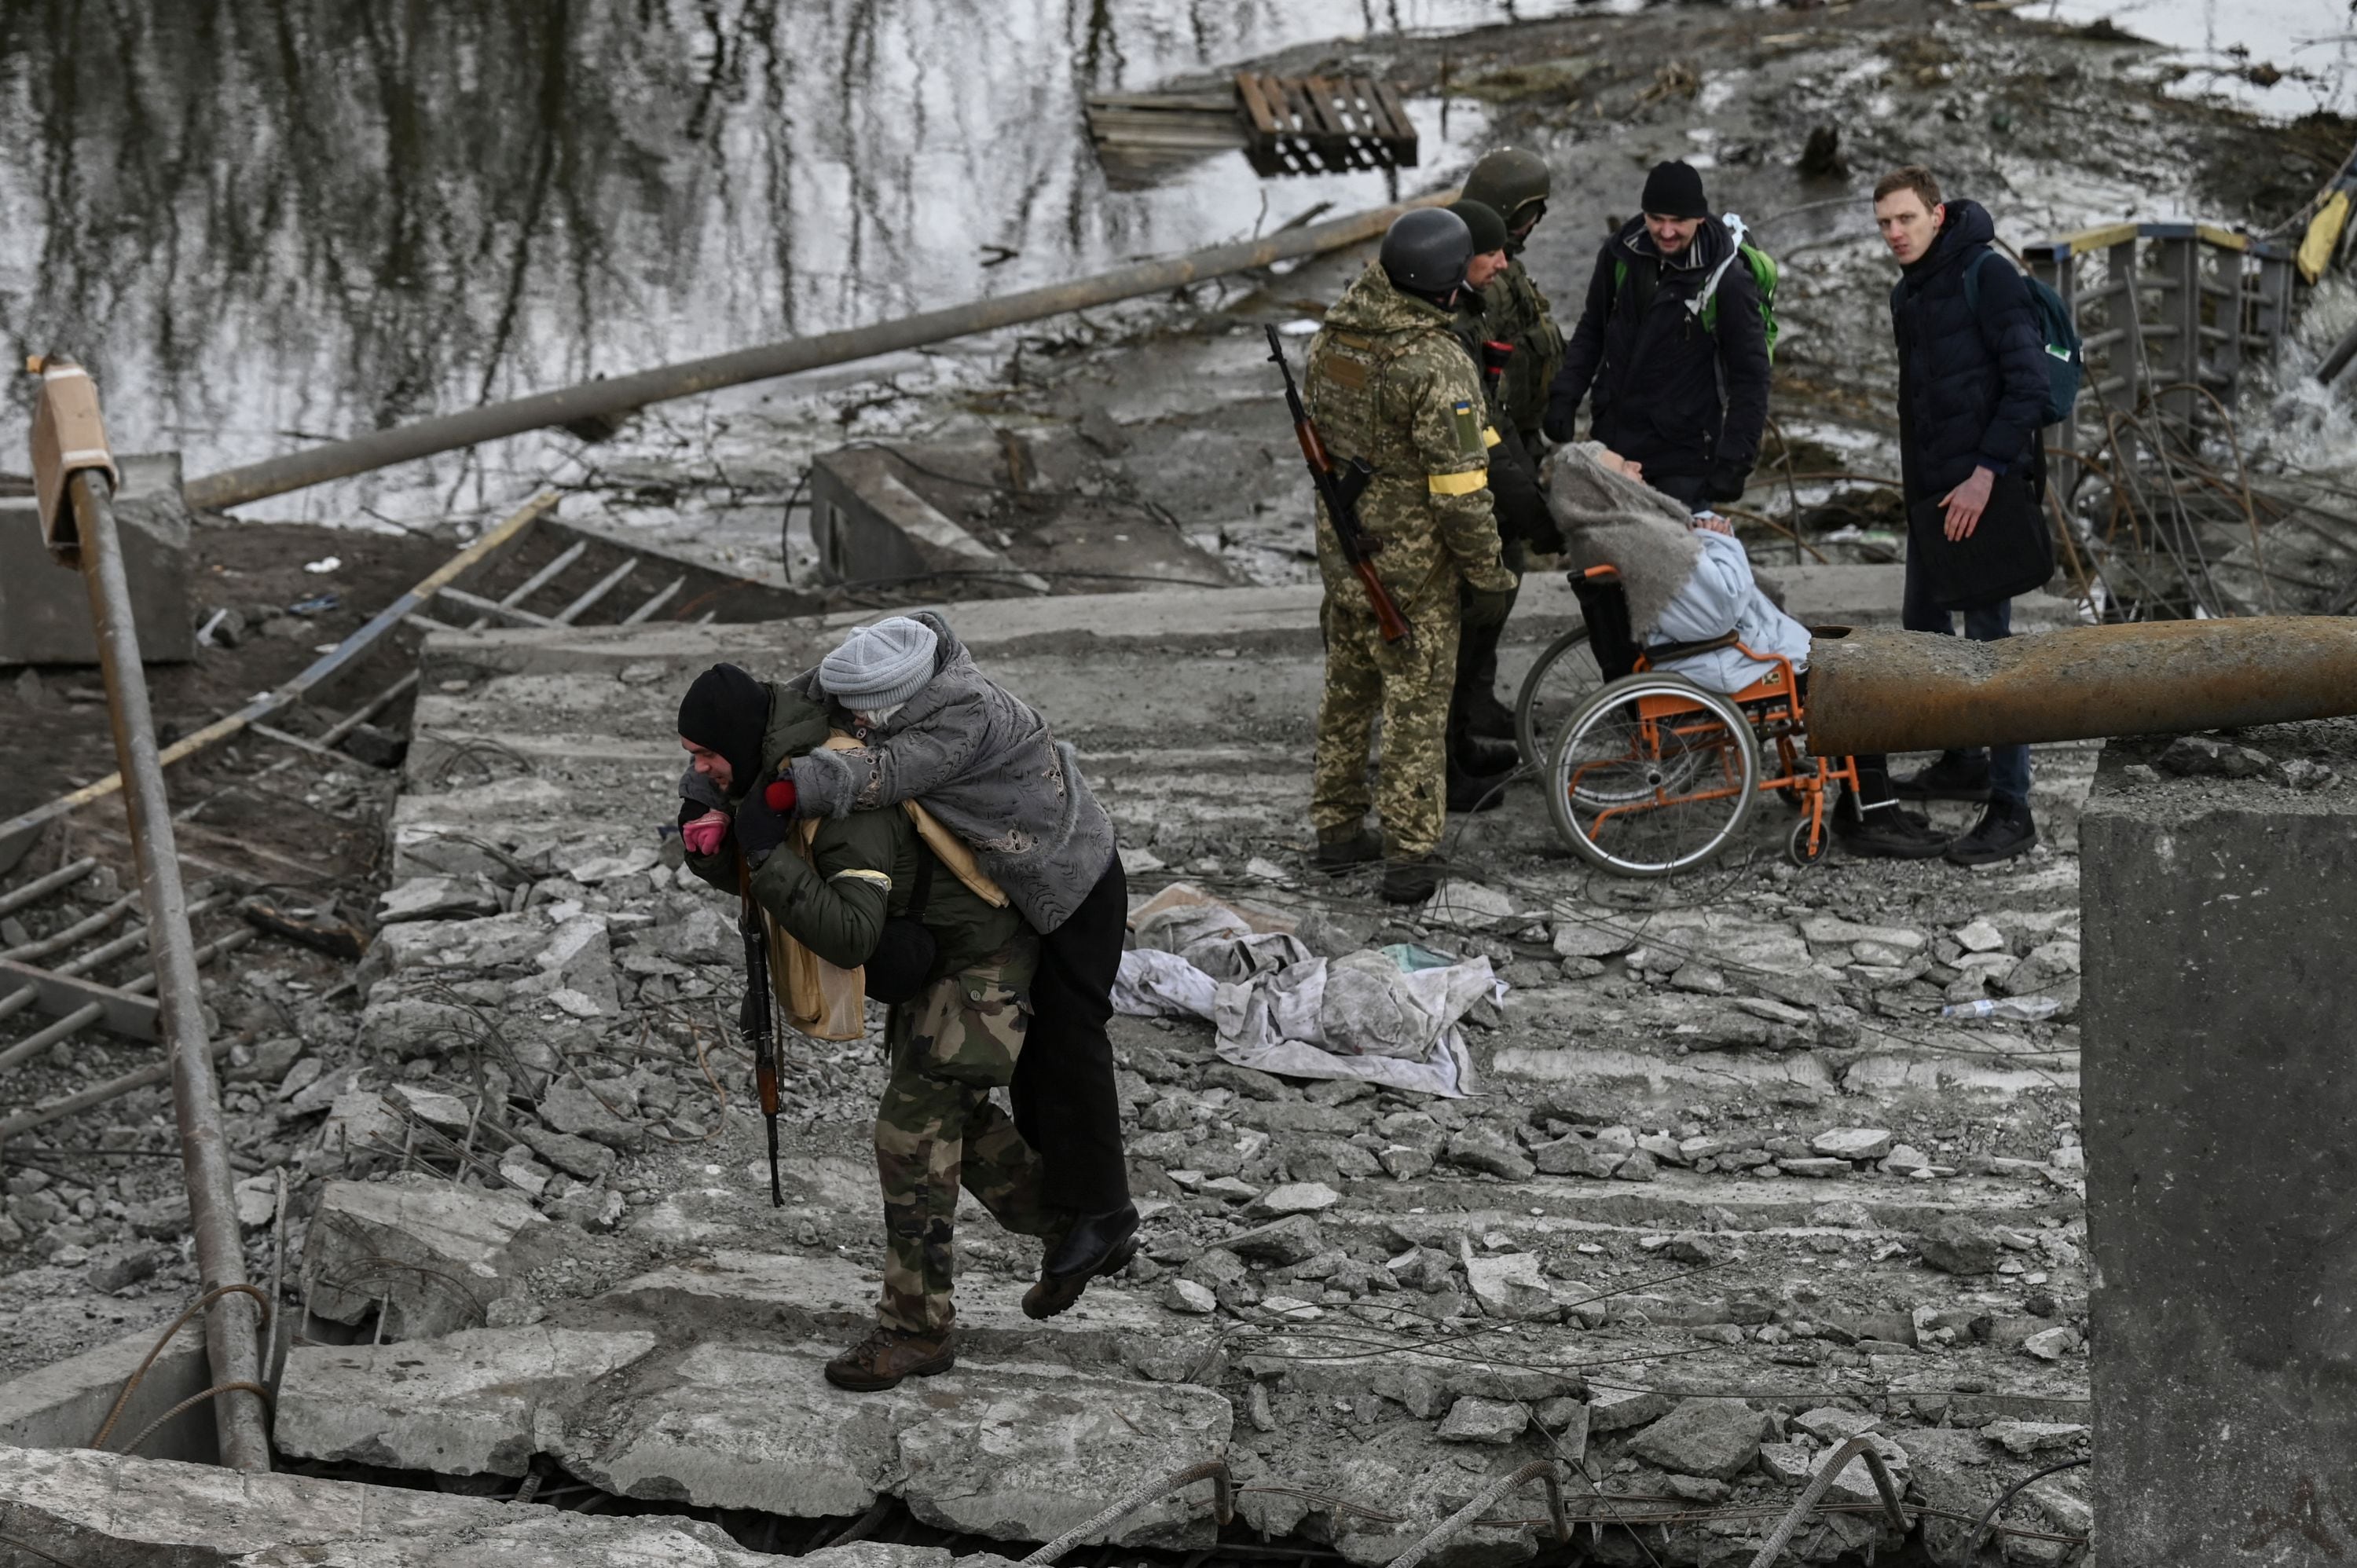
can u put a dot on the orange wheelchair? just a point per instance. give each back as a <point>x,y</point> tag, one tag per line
<point>1648,774</point>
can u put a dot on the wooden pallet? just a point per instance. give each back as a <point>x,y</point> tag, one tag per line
<point>1314,124</point>
<point>1285,125</point>
<point>1139,137</point>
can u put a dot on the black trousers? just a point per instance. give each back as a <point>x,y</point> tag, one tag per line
<point>1065,1105</point>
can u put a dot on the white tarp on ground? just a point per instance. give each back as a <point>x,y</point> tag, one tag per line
<point>1388,1017</point>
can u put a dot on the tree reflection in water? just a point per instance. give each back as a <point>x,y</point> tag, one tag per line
<point>271,221</point>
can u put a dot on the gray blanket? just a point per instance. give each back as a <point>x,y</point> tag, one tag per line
<point>1611,521</point>
<point>984,764</point>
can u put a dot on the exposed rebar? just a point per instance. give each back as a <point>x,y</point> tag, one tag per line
<point>1223,1507</point>
<point>1439,1534</point>
<point>1861,1446</point>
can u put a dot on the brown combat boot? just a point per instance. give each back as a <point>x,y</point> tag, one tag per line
<point>888,1355</point>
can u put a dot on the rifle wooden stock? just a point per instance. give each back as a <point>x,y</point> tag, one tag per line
<point>1388,619</point>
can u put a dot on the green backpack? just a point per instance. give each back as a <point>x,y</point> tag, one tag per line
<point>1704,304</point>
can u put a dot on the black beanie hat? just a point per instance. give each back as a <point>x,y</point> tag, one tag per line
<point>725,711</point>
<point>1481,220</point>
<point>1674,190</point>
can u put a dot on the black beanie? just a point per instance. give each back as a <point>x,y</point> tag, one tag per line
<point>726,711</point>
<point>1674,190</point>
<point>1489,230</point>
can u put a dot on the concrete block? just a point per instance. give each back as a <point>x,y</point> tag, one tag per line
<point>63,1404</point>
<point>870,525</point>
<point>479,1401</point>
<point>435,1255</point>
<point>44,607</point>
<point>2216,917</point>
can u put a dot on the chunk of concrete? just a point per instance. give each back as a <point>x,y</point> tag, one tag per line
<point>1511,1286</point>
<point>1293,1239</point>
<point>1853,1142</point>
<point>1476,1420</point>
<point>435,1256</point>
<point>478,1402</point>
<point>1295,1198</point>
<point>1713,1437</point>
<point>111,1511</point>
<point>2023,1438</point>
<point>1617,1410</point>
<point>1955,1245</point>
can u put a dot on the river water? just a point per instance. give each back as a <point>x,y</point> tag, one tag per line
<point>269,222</point>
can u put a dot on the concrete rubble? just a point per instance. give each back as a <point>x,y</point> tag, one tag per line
<point>103,1510</point>
<point>1733,1189</point>
<point>1718,1150</point>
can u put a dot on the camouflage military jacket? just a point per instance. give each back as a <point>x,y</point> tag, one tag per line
<point>1388,381</point>
<point>1515,312</point>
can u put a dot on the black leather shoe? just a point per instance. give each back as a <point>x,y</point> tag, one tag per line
<point>2004,831</point>
<point>1096,1244</point>
<point>1951,778</point>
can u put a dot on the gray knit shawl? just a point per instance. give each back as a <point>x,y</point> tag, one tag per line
<point>984,764</point>
<point>1611,521</point>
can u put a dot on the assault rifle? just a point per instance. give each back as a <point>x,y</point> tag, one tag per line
<point>1340,488</point>
<point>757,1019</point>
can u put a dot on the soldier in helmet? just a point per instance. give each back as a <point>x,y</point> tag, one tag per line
<point>1524,522</point>
<point>1515,318</point>
<point>1388,381</point>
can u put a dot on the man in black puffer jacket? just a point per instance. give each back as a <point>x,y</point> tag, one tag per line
<point>1972,392</point>
<point>1655,348</point>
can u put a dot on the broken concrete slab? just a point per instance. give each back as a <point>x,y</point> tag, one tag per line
<point>63,1404</point>
<point>434,1256</point>
<point>479,1401</point>
<point>109,1510</point>
<point>1012,1451</point>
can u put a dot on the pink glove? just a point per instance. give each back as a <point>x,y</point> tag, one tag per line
<point>703,836</point>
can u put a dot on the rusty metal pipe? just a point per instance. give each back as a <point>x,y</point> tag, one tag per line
<point>1911,691</point>
<point>231,1344</point>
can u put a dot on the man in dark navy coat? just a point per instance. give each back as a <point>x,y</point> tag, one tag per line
<point>1972,393</point>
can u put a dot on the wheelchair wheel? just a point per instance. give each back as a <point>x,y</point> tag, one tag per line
<point>1561,678</point>
<point>1651,776</point>
<point>1796,845</point>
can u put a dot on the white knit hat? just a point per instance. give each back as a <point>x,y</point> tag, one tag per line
<point>880,666</point>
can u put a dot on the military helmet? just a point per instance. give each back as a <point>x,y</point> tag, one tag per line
<point>1509,179</point>
<point>1481,221</point>
<point>1424,252</point>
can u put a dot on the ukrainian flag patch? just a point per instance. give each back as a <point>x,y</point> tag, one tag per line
<point>1468,427</point>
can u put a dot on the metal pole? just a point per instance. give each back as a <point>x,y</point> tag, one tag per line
<point>618,395</point>
<point>230,1324</point>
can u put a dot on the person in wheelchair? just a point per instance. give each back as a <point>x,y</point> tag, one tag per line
<point>1686,579</point>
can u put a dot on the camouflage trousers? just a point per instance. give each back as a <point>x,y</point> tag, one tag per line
<point>937,1129</point>
<point>1406,683</point>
